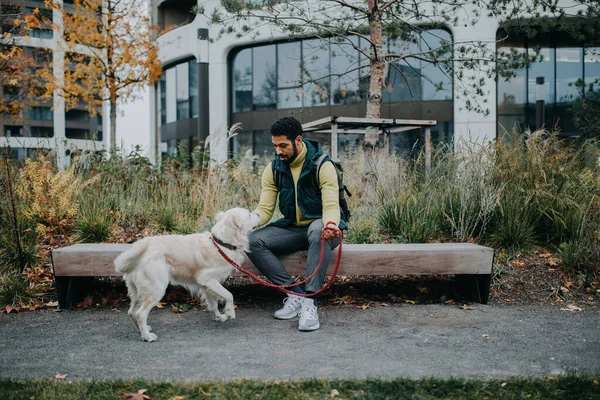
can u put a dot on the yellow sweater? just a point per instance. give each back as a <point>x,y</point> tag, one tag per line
<point>327,183</point>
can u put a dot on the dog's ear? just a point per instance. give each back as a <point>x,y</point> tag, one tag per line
<point>219,216</point>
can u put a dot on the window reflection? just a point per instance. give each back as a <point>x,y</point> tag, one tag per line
<point>178,92</point>
<point>264,85</point>
<point>344,71</point>
<point>315,54</point>
<point>242,81</point>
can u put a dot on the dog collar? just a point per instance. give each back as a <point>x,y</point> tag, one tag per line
<point>223,244</point>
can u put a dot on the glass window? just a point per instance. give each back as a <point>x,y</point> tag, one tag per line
<point>171,94</point>
<point>404,76</point>
<point>163,98</point>
<point>77,116</point>
<point>315,58</point>
<point>75,133</point>
<point>344,70</point>
<point>543,69</point>
<point>193,65</point>
<point>512,92</point>
<point>13,131</point>
<point>436,80</point>
<point>569,69</point>
<point>592,66</point>
<point>183,91</point>
<point>264,84</point>
<point>41,113</point>
<point>41,131</point>
<point>289,75</point>
<point>242,81</point>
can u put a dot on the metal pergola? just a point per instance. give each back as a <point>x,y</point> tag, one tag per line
<point>352,125</point>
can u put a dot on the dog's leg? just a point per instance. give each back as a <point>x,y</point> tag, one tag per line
<point>133,297</point>
<point>215,288</point>
<point>151,295</point>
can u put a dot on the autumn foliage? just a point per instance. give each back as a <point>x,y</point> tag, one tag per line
<point>110,53</point>
<point>19,64</point>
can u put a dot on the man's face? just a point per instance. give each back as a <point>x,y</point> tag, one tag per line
<point>286,150</point>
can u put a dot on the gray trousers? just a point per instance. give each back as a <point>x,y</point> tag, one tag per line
<point>270,242</point>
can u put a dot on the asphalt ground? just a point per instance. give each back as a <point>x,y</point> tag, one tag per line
<point>415,341</point>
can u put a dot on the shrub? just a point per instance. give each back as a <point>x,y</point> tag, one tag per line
<point>16,291</point>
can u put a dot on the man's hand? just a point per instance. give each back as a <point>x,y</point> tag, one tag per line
<point>331,232</point>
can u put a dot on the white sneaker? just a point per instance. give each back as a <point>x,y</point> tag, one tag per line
<point>309,318</point>
<point>291,307</point>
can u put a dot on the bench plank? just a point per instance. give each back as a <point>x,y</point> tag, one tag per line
<point>357,259</point>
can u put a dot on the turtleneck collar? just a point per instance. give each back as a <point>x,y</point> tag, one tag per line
<point>301,157</point>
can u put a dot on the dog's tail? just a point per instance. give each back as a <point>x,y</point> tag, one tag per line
<point>126,261</point>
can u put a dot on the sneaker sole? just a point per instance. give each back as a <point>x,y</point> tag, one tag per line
<point>286,317</point>
<point>310,329</point>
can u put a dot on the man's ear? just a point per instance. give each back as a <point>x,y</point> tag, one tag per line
<point>219,216</point>
<point>299,140</point>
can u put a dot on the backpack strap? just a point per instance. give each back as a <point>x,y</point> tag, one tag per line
<point>276,177</point>
<point>319,162</point>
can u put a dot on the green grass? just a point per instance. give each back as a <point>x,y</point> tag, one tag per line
<point>568,387</point>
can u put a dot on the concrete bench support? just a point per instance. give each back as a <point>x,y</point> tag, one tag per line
<point>471,263</point>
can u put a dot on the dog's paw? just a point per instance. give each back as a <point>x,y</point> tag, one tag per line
<point>150,337</point>
<point>220,317</point>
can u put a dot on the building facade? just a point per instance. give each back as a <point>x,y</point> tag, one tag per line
<point>209,85</point>
<point>46,125</point>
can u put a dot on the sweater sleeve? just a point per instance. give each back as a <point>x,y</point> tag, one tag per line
<point>268,196</point>
<point>329,193</point>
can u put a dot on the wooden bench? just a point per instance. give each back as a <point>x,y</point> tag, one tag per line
<point>471,263</point>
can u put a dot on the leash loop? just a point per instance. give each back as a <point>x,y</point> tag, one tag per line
<point>284,287</point>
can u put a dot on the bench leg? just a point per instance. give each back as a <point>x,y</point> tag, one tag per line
<point>474,287</point>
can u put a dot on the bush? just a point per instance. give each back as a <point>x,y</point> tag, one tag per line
<point>16,291</point>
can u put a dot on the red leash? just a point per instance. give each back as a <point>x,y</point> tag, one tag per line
<point>284,288</point>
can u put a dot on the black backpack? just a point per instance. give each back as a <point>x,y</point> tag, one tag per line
<point>343,189</point>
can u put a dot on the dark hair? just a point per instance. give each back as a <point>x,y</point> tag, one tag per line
<point>287,126</point>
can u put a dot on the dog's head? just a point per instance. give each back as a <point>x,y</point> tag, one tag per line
<point>234,225</point>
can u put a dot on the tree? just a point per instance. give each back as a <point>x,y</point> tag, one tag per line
<point>110,53</point>
<point>19,64</point>
<point>372,20</point>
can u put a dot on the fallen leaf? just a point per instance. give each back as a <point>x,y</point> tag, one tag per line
<point>51,304</point>
<point>571,308</point>
<point>10,309</point>
<point>466,307</point>
<point>334,392</point>
<point>140,395</point>
<point>423,290</point>
<point>364,306</point>
<point>176,309</point>
<point>552,263</point>
<point>60,377</point>
<point>178,398</point>
<point>503,384</point>
<point>485,335</point>
<point>518,264</point>
<point>160,304</point>
<point>410,301</point>
<point>545,255</point>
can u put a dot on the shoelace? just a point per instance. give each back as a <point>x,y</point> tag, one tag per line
<point>292,302</point>
<point>309,312</point>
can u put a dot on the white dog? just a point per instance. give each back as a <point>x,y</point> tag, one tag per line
<point>191,261</point>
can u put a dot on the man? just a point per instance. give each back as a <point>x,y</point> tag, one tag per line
<point>307,205</point>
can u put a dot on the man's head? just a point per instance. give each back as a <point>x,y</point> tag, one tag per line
<point>286,136</point>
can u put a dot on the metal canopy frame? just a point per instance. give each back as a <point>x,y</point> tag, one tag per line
<point>353,125</point>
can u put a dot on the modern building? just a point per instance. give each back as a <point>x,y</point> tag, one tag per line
<point>209,85</point>
<point>47,125</point>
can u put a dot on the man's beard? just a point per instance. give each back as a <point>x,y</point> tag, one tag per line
<point>291,159</point>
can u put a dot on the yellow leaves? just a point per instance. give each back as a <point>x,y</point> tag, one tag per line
<point>49,195</point>
<point>518,264</point>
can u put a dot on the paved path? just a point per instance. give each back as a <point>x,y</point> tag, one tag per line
<point>396,341</point>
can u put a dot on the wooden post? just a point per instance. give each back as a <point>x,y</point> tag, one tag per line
<point>334,140</point>
<point>386,141</point>
<point>427,152</point>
